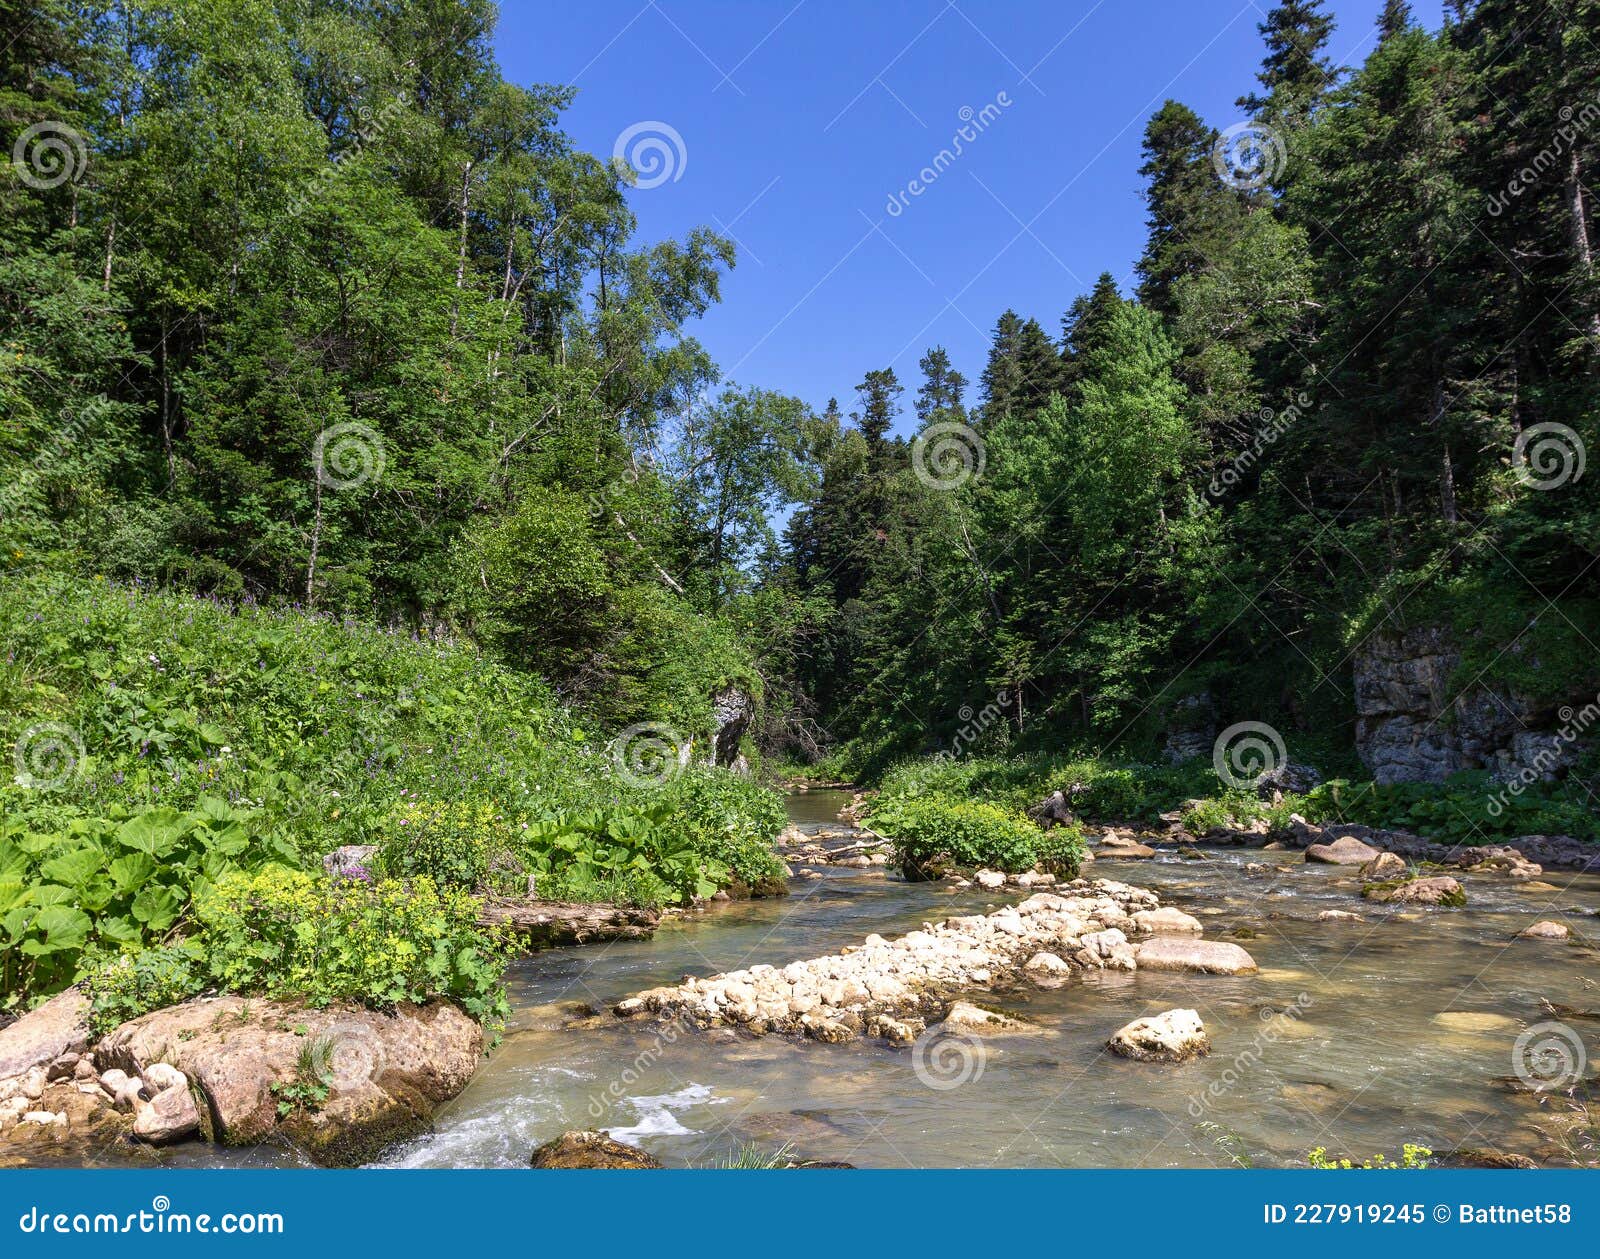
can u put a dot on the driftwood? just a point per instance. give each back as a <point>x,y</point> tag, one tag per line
<point>559,922</point>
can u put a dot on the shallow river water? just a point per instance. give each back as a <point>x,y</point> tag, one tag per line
<point>1355,1036</point>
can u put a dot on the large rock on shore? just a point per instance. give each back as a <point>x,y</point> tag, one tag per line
<point>590,1151</point>
<point>1174,1036</point>
<point>59,1027</point>
<point>384,1072</point>
<point>1206,957</point>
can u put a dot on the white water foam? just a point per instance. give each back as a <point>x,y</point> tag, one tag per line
<point>658,1115</point>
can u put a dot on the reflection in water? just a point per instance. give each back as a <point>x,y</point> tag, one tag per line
<point>1338,1042</point>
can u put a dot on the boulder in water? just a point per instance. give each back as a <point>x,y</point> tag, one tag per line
<point>591,1151</point>
<point>1173,1036</point>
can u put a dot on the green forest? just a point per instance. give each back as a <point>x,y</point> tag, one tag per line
<point>362,482</point>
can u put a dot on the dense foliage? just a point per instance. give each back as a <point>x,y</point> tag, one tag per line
<point>939,814</point>
<point>165,745</point>
<point>1350,396</point>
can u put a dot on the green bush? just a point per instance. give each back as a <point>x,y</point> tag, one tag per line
<point>1471,808</point>
<point>967,832</point>
<point>149,979</point>
<point>110,883</point>
<point>1059,850</point>
<point>284,933</point>
<point>729,820</point>
<point>454,844</point>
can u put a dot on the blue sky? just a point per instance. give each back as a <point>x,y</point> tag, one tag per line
<point>800,121</point>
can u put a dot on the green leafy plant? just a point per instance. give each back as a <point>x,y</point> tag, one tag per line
<point>1412,1158</point>
<point>283,933</point>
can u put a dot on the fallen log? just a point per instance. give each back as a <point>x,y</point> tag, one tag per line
<point>544,923</point>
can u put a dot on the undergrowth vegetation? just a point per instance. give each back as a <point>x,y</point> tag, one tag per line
<point>177,757</point>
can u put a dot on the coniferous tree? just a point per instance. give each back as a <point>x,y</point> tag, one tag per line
<point>1295,73</point>
<point>1183,198</point>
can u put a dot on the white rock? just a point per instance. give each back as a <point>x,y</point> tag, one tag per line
<point>1173,1036</point>
<point>161,1076</point>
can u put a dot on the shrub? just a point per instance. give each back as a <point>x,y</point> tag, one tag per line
<point>968,832</point>
<point>283,933</point>
<point>111,883</point>
<point>1059,851</point>
<point>1471,808</point>
<point>454,844</point>
<point>595,854</point>
<point>149,979</point>
<point>729,820</point>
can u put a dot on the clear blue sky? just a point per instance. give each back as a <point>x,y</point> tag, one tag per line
<point>799,122</point>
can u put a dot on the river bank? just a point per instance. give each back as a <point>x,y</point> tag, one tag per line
<point>1364,1027</point>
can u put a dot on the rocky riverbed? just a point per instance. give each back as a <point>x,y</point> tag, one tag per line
<point>893,988</point>
<point>1364,1023</point>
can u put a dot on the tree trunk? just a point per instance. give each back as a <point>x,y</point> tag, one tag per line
<point>1580,234</point>
<point>316,529</point>
<point>461,256</point>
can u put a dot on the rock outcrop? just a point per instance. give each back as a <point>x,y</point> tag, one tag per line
<point>1344,851</point>
<point>60,1026</point>
<point>1413,725</point>
<point>732,711</point>
<point>384,1073</point>
<point>1437,890</point>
